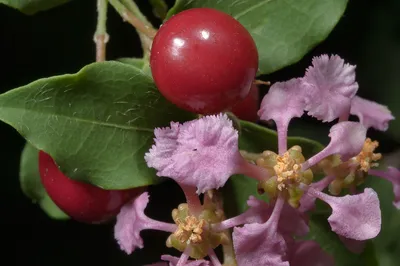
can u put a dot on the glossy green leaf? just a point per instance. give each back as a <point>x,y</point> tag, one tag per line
<point>284,31</point>
<point>96,124</point>
<point>32,186</point>
<point>141,64</point>
<point>30,7</point>
<point>255,138</point>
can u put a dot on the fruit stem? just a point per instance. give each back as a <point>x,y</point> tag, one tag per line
<point>101,37</point>
<point>128,16</point>
<point>261,82</point>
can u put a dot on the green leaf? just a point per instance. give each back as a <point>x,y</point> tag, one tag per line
<point>284,30</point>
<point>142,64</point>
<point>256,138</point>
<point>160,8</point>
<point>30,7</point>
<point>96,124</point>
<point>32,186</point>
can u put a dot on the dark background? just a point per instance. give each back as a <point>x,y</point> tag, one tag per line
<point>60,41</point>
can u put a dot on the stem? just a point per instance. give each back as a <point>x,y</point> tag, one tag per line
<point>251,170</point>
<point>345,115</point>
<point>329,150</point>
<point>192,199</point>
<point>145,40</point>
<point>127,15</point>
<point>101,37</point>
<point>161,226</point>
<point>276,213</point>
<point>213,257</point>
<point>184,257</point>
<point>261,82</point>
<point>282,128</point>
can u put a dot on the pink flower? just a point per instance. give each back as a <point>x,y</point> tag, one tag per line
<point>261,244</point>
<point>330,86</point>
<point>307,202</point>
<point>371,114</point>
<point>291,221</point>
<point>356,217</point>
<point>166,142</point>
<point>393,175</point>
<point>131,221</point>
<point>207,153</point>
<point>347,139</point>
<point>284,101</point>
<point>203,153</point>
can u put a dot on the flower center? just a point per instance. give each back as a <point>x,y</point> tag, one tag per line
<point>195,231</point>
<point>353,172</point>
<point>367,158</point>
<point>287,174</point>
<point>190,230</point>
<point>286,170</point>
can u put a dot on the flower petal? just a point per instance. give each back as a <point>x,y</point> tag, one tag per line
<point>207,153</point>
<point>292,222</point>
<point>256,244</point>
<point>371,114</point>
<point>347,140</point>
<point>330,86</point>
<point>307,202</point>
<point>281,96</point>
<point>159,156</point>
<point>392,174</point>
<point>283,101</point>
<point>259,212</point>
<point>261,244</point>
<point>309,253</point>
<point>353,216</point>
<point>131,220</point>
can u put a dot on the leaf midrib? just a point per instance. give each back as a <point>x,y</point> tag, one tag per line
<point>79,119</point>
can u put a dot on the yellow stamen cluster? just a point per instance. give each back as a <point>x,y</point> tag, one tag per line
<point>190,230</point>
<point>367,158</point>
<point>196,230</point>
<point>353,172</point>
<point>286,169</point>
<point>286,174</point>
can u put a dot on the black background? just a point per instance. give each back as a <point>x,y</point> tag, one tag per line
<point>60,41</point>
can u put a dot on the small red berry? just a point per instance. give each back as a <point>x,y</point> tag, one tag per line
<point>248,108</point>
<point>203,60</point>
<point>81,201</point>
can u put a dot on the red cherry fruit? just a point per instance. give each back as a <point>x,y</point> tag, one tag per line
<point>248,108</point>
<point>81,201</point>
<point>203,60</point>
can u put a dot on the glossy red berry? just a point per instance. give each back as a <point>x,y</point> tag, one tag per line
<point>203,60</point>
<point>248,108</point>
<point>81,201</point>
